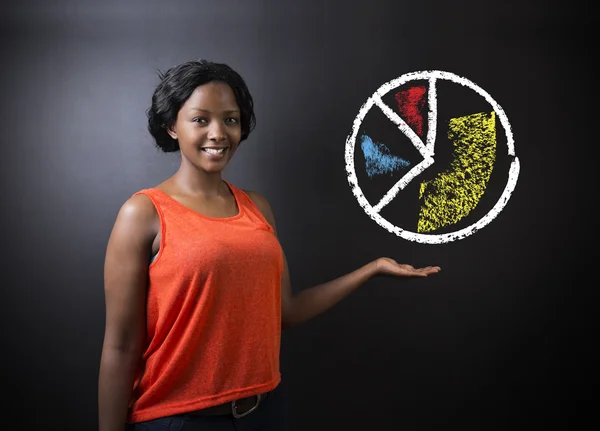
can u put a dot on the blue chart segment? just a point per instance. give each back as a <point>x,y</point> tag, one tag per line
<point>378,159</point>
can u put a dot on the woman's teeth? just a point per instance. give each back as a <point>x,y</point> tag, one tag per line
<point>213,150</point>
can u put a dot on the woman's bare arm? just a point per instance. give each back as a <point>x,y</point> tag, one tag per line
<point>125,284</point>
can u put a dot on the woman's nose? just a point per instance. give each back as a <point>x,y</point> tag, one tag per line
<point>216,134</point>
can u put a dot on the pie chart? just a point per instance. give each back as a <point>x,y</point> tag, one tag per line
<point>443,142</point>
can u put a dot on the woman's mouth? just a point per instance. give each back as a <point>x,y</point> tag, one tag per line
<point>214,151</point>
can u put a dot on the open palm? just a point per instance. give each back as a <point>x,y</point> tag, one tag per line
<point>387,266</point>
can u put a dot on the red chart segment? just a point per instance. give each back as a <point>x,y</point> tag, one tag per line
<point>410,104</point>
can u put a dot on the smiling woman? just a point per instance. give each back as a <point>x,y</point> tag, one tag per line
<point>197,285</point>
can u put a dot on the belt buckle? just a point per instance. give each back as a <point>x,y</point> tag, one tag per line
<point>247,412</point>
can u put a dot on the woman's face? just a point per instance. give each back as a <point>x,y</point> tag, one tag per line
<point>208,126</point>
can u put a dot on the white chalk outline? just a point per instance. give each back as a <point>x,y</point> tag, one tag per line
<point>427,152</point>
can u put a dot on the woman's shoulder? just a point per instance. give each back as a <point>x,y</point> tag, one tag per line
<point>257,198</point>
<point>138,209</point>
<point>261,202</point>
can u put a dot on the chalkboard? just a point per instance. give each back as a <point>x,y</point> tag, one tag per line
<point>500,339</point>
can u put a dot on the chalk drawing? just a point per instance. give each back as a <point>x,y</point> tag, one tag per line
<point>453,194</point>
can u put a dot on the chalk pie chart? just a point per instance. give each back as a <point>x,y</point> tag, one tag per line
<point>400,141</point>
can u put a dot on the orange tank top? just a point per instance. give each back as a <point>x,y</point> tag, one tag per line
<point>213,310</point>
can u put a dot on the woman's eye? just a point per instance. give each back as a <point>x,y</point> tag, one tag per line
<point>199,120</point>
<point>232,120</point>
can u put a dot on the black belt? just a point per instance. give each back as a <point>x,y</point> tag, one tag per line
<point>237,408</point>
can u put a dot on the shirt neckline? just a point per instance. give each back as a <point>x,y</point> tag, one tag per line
<point>188,209</point>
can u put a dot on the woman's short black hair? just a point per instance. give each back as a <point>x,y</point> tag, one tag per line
<point>177,85</point>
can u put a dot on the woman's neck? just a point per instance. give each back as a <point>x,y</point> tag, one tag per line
<point>193,181</point>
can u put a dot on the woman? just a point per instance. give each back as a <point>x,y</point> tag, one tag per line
<point>196,283</point>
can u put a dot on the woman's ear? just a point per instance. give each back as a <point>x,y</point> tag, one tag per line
<point>171,131</point>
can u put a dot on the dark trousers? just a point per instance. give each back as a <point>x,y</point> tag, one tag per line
<point>267,417</point>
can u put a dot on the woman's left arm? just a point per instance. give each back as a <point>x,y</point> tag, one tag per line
<point>313,301</point>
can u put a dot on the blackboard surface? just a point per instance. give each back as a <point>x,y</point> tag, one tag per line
<point>500,339</point>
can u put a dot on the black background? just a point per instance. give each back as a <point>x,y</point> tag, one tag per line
<point>501,339</point>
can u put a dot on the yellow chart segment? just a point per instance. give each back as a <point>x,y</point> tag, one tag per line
<point>453,194</point>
